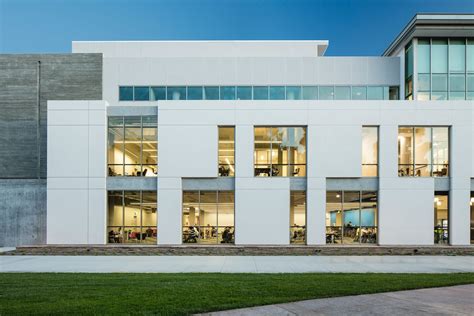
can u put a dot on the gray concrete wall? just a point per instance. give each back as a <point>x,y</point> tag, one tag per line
<point>25,89</point>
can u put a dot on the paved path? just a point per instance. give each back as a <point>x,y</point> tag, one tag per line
<point>235,264</point>
<point>454,300</point>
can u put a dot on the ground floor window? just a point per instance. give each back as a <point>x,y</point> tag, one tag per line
<point>208,217</point>
<point>472,217</point>
<point>351,217</point>
<point>298,217</point>
<point>132,217</point>
<point>441,215</point>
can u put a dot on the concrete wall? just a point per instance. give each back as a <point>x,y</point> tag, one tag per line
<point>24,92</point>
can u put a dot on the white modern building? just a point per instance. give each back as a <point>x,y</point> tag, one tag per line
<point>269,143</point>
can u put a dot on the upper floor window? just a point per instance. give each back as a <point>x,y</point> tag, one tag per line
<point>280,151</point>
<point>445,69</point>
<point>409,72</point>
<point>423,151</point>
<point>226,151</point>
<point>370,151</point>
<point>155,93</point>
<point>132,146</point>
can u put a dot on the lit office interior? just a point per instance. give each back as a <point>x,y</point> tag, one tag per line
<point>132,217</point>
<point>226,150</point>
<point>280,151</point>
<point>370,151</point>
<point>351,217</point>
<point>132,146</point>
<point>423,151</point>
<point>298,217</point>
<point>208,217</point>
<point>441,215</point>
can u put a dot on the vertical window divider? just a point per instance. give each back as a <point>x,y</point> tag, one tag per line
<point>217,217</point>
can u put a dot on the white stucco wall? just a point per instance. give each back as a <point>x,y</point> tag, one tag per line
<point>76,192</point>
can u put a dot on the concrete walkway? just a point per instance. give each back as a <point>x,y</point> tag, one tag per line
<point>454,300</point>
<point>237,264</point>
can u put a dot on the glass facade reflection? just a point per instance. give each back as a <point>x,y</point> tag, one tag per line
<point>280,151</point>
<point>444,69</point>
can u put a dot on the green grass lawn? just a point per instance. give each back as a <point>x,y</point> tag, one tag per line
<point>178,294</point>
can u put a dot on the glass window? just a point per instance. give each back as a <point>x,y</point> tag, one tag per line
<point>351,217</point>
<point>457,55</point>
<point>423,96</point>
<point>423,151</point>
<point>125,93</point>
<point>370,151</point>
<point>280,151</point>
<point>440,82</point>
<point>211,93</point>
<point>326,93</point>
<point>405,151</point>
<point>359,93</point>
<point>132,146</point>
<point>195,93</point>
<point>132,217</point>
<point>208,217</point>
<point>142,94</point>
<point>260,93</point>
<point>393,93</point>
<point>470,55</point>
<point>228,93</point>
<point>457,83</point>
<point>310,93</point>
<point>342,93</point>
<point>244,93</point>
<point>226,150</point>
<point>470,82</point>
<point>293,93</point>
<point>441,217</point>
<point>157,93</point>
<point>423,56</point>
<point>409,61</point>
<point>439,95</point>
<point>176,93</point>
<point>277,93</point>
<point>472,217</point>
<point>423,146</point>
<point>375,93</point>
<point>424,82</point>
<point>439,54</point>
<point>298,217</point>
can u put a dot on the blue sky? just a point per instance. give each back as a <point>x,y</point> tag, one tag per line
<point>353,27</point>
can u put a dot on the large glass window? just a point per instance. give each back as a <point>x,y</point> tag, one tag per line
<point>211,93</point>
<point>280,151</point>
<point>195,93</point>
<point>244,93</point>
<point>208,217</point>
<point>370,151</point>
<point>131,217</point>
<point>442,65</point>
<point>310,93</point>
<point>226,150</point>
<point>260,93</point>
<point>132,146</point>
<point>326,93</point>
<point>293,93</point>
<point>342,93</point>
<point>176,93</point>
<point>227,93</point>
<point>157,93</point>
<point>277,93</point>
<point>297,217</point>
<point>423,151</point>
<point>359,93</point>
<point>351,217</point>
<point>441,216</point>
